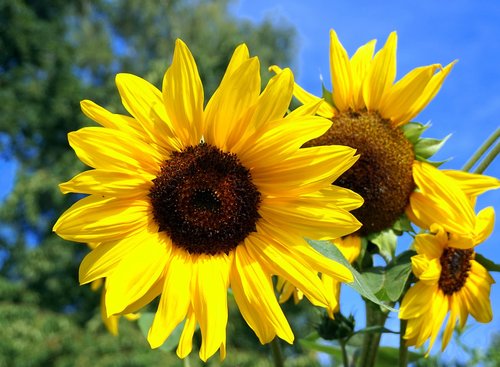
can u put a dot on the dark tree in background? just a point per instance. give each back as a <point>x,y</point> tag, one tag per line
<point>54,53</point>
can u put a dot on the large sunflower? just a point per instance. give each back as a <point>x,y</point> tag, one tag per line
<point>186,201</point>
<point>368,110</point>
<point>450,282</point>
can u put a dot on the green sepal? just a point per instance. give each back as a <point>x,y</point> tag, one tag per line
<point>172,341</point>
<point>327,95</point>
<point>326,248</point>
<point>427,147</point>
<point>487,263</point>
<point>413,131</point>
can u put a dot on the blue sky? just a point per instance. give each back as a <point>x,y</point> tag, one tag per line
<point>468,105</point>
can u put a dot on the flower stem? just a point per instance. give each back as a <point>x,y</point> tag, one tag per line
<point>403,349</point>
<point>345,359</point>
<point>374,317</point>
<point>279,360</point>
<point>481,150</point>
<point>488,159</point>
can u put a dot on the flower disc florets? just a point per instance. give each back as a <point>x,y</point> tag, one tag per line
<point>383,173</point>
<point>205,200</point>
<point>455,266</point>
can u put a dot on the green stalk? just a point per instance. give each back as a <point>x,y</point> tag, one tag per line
<point>481,150</point>
<point>403,349</point>
<point>488,159</point>
<point>345,359</point>
<point>374,317</point>
<point>279,360</point>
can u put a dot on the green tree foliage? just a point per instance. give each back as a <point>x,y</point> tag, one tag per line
<point>54,53</point>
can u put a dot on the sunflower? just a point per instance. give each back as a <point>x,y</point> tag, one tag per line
<point>186,201</point>
<point>368,111</point>
<point>350,247</point>
<point>450,282</point>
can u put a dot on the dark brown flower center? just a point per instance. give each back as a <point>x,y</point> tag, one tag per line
<point>205,200</point>
<point>383,173</point>
<point>455,266</point>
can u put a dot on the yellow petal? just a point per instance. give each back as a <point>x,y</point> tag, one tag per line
<point>416,301</point>
<point>324,109</point>
<point>360,65</point>
<point>452,321</point>
<point>97,219</point>
<point>381,74</point>
<point>340,71</point>
<point>186,341</point>
<point>109,183</point>
<point>127,124</point>
<point>305,171</point>
<point>430,91</point>
<point>429,245</point>
<point>230,103</point>
<point>281,262</point>
<point>401,96</point>
<point>485,222</point>
<point>254,294</point>
<point>282,140</point>
<point>101,261</point>
<point>135,275</point>
<point>175,298</point>
<point>473,184</point>
<point>110,322</point>
<point>144,101</point>
<point>210,281</point>
<point>439,308</point>
<point>310,218</point>
<point>183,95</point>
<point>350,246</point>
<point>114,150</point>
<point>444,202</point>
<point>295,245</point>
<point>275,99</point>
<point>431,273</point>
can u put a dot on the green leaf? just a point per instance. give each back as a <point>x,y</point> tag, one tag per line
<point>386,242</point>
<point>389,357</point>
<point>413,131</point>
<point>319,347</point>
<point>170,344</point>
<point>427,147</point>
<point>397,274</point>
<point>359,284</point>
<point>487,263</point>
<point>375,278</point>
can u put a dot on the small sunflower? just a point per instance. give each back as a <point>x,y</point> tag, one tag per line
<point>450,282</point>
<point>187,201</point>
<point>368,110</point>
